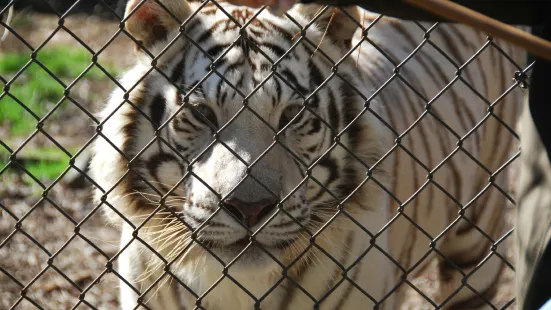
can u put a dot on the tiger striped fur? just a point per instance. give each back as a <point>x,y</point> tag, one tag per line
<point>374,166</point>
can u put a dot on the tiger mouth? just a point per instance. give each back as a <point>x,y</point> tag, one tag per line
<point>245,242</point>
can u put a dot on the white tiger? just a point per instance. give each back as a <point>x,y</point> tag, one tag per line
<point>334,177</point>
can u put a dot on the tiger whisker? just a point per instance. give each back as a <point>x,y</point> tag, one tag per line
<point>175,198</point>
<point>157,215</point>
<point>360,48</point>
<point>174,253</point>
<point>155,222</point>
<point>315,253</point>
<point>167,215</point>
<point>163,233</point>
<point>167,185</point>
<point>186,236</point>
<point>202,257</point>
<point>151,266</point>
<point>299,246</point>
<point>154,264</point>
<point>330,238</point>
<point>171,239</point>
<point>324,33</point>
<point>131,194</point>
<point>162,223</point>
<point>160,285</point>
<point>298,33</point>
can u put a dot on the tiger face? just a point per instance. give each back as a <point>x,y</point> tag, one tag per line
<point>236,138</point>
<point>254,137</point>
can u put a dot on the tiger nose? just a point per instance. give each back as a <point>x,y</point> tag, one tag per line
<point>250,213</point>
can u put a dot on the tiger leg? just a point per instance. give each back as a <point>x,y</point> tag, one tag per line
<point>372,274</point>
<point>469,270</point>
<point>133,268</point>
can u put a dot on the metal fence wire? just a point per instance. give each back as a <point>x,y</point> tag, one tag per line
<point>79,269</point>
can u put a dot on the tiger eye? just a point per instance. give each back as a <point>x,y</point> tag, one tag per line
<point>204,113</point>
<point>288,114</point>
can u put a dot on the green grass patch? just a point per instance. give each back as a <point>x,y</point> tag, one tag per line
<point>36,88</point>
<point>46,170</point>
<point>45,164</point>
<point>39,92</point>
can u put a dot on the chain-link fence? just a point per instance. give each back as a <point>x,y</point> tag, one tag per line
<point>326,158</point>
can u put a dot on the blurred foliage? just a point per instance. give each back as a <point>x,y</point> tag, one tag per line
<point>45,163</point>
<point>33,94</point>
<point>35,90</point>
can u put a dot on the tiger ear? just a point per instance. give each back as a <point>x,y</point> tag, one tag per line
<point>340,26</point>
<point>150,21</point>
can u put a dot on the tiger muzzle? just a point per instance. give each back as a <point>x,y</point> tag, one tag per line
<point>250,213</point>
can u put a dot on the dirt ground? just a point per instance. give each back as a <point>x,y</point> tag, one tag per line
<point>47,225</point>
<point>24,263</point>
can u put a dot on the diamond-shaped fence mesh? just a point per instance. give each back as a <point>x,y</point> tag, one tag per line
<point>206,156</point>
